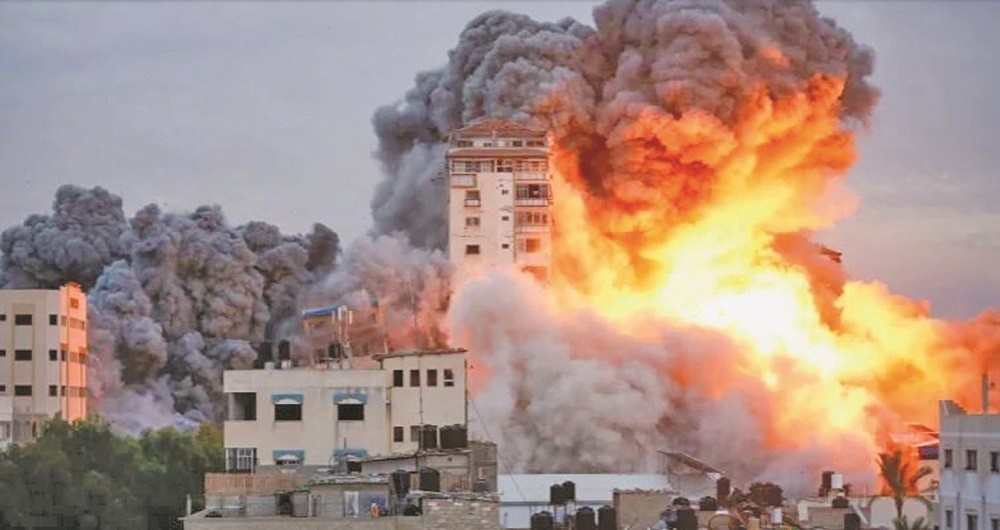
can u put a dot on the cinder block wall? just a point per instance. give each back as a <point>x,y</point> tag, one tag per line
<point>640,508</point>
<point>461,514</point>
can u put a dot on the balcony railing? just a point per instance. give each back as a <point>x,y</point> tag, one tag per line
<point>531,175</point>
<point>532,202</point>
<point>474,203</point>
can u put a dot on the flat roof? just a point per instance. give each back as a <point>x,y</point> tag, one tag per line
<point>481,152</point>
<point>490,126</point>
<point>418,353</point>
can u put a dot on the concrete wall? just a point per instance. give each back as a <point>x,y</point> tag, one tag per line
<point>461,514</point>
<point>429,405</point>
<point>319,432</point>
<point>968,492</point>
<point>640,508</point>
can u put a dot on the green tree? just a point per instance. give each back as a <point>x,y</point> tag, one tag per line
<point>899,477</point>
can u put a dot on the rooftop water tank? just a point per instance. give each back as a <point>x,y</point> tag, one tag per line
<point>607,518</point>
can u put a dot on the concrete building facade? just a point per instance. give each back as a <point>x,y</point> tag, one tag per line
<point>317,416</point>
<point>43,359</point>
<point>969,490</point>
<point>499,197</point>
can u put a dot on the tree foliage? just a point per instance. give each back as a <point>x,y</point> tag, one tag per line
<point>900,476</point>
<point>84,476</point>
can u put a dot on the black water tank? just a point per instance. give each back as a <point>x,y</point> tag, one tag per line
<point>681,501</point>
<point>584,519</point>
<point>400,482</point>
<point>607,519</point>
<point>430,479</point>
<point>840,502</point>
<point>541,521</point>
<point>707,504</point>
<point>722,490</point>
<point>429,437</point>
<point>852,521</point>
<point>284,351</point>
<point>686,520</point>
<point>569,490</point>
<point>353,466</point>
<point>827,481</point>
<point>556,495</point>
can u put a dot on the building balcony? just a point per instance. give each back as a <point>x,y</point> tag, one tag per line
<point>531,175</point>
<point>532,229</point>
<point>473,203</point>
<point>532,202</point>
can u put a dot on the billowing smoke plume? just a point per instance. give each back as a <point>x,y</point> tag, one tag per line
<point>697,146</point>
<point>174,298</point>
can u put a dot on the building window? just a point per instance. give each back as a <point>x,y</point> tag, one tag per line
<point>971,521</point>
<point>472,198</point>
<point>449,377</point>
<point>53,320</point>
<point>947,458</point>
<point>53,390</point>
<point>994,462</point>
<point>22,355</point>
<point>288,412</point>
<point>53,355</point>
<point>3,389</point>
<point>532,244</point>
<point>3,317</point>
<point>532,191</point>
<point>994,524</point>
<point>472,222</point>
<point>414,377</point>
<point>351,412</point>
<point>471,250</point>
<point>3,353</point>
<point>74,303</point>
<point>22,320</point>
<point>241,459</point>
<point>244,406</point>
<point>397,434</point>
<point>432,378</point>
<point>532,217</point>
<point>970,460</point>
<point>947,518</point>
<point>415,433</point>
<point>22,390</point>
<point>505,245</point>
<point>505,218</point>
<point>62,390</point>
<point>397,378</point>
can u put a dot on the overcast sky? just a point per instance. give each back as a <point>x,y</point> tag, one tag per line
<point>264,108</point>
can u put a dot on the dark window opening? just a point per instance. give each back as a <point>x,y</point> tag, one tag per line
<point>947,458</point>
<point>449,377</point>
<point>53,320</point>
<point>3,389</point>
<point>970,460</point>
<point>3,353</point>
<point>471,250</point>
<point>397,434</point>
<point>351,412</point>
<point>53,355</point>
<point>22,320</point>
<point>74,303</point>
<point>244,406</point>
<point>397,378</point>
<point>22,355</point>
<point>3,317</point>
<point>994,462</point>
<point>22,390</point>
<point>414,377</point>
<point>288,412</point>
<point>414,433</point>
<point>53,390</point>
<point>971,521</point>
<point>947,518</point>
<point>432,378</point>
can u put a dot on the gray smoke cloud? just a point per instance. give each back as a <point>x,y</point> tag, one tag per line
<point>174,298</point>
<point>568,392</point>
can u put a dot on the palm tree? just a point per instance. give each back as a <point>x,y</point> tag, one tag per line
<point>900,477</point>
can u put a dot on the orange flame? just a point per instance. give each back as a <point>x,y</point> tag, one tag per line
<point>706,223</point>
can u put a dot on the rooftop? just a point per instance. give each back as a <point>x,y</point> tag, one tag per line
<point>494,126</point>
<point>590,488</point>
<point>418,353</point>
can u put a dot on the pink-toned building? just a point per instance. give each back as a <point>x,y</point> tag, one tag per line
<point>43,359</point>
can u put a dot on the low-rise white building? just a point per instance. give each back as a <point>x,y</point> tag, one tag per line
<point>319,415</point>
<point>969,491</point>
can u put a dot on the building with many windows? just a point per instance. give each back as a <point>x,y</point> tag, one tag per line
<point>969,491</point>
<point>43,359</point>
<point>321,415</point>
<point>499,197</point>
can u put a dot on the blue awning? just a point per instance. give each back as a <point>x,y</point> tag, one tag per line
<point>350,398</point>
<point>286,399</point>
<point>319,312</point>
<point>345,452</point>
<point>289,456</point>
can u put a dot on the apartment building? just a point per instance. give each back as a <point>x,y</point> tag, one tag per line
<point>43,359</point>
<point>320,414</point>
<point>969,490</point>
<point>499,197</point>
